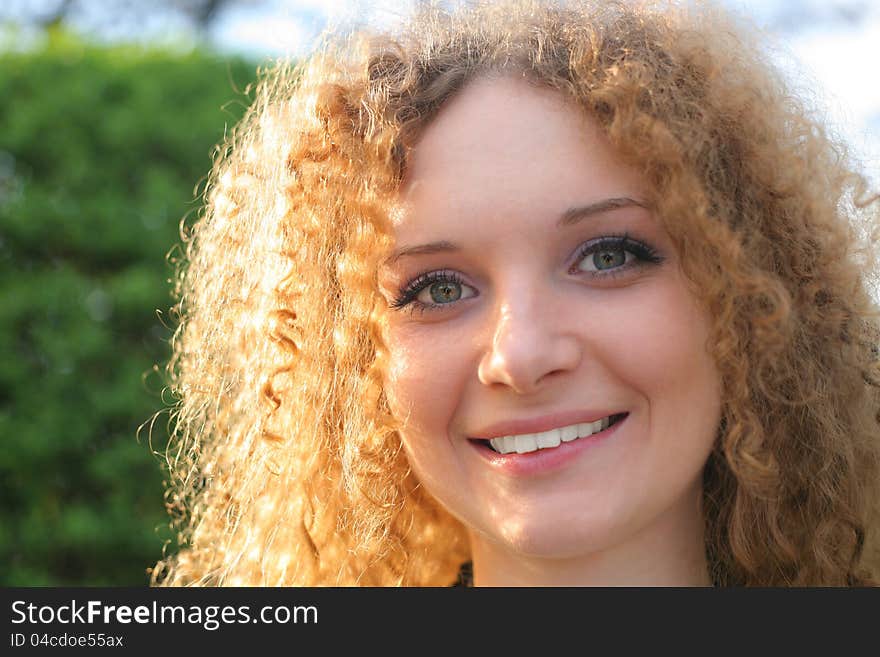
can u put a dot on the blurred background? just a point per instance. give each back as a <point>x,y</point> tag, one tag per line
<point>109,111</point>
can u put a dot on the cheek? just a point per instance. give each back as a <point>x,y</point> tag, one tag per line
<point>662,352</point>
<point>425,378</point>
<point>425,383</point>
<point>669,336</point>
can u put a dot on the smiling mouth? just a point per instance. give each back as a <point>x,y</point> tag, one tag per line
<point>533,442</point>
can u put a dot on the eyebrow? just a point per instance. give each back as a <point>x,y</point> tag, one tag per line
<point>569,218</point>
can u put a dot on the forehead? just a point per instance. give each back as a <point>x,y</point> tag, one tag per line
<point>504,145</point>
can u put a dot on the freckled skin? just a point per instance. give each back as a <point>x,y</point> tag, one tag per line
<point>493,173</point>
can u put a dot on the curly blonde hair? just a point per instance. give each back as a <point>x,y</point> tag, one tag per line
<point>286,463</point>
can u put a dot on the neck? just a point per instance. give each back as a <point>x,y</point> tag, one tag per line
<point>668,552</point>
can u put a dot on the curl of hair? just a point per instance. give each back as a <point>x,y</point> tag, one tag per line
<point>287,466</point>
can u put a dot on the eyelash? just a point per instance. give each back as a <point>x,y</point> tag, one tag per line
<point>644,254</point>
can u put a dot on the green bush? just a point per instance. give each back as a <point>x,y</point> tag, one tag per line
<point>100,152</point>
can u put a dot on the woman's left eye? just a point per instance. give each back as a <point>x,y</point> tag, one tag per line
<point>610,255</point>
<point>605,259</point>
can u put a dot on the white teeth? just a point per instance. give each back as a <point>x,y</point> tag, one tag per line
<point>531,442</point>
<point>526,443</point>
<point>550,438</point>
<point>504,445</point>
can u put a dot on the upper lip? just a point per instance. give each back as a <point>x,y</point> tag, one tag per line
<point>540,424</point>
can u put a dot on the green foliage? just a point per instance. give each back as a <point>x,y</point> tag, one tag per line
<point>100,152</point>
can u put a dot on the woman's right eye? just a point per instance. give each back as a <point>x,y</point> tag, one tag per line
<point>432,291</point>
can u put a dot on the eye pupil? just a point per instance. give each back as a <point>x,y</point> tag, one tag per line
<point>609,258</point>
<point>445,292</point>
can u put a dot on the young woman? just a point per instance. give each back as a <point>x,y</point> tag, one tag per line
<point>567,295</point>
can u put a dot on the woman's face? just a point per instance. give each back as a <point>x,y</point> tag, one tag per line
<point>535,296</point>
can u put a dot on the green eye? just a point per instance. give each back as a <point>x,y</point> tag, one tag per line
<point>445,292</point>
<point>614,254</point>
<point>604,259</point>
<point>433,291</point>
<point>608,259</point>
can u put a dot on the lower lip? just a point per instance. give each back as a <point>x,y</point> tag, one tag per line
<point>542,460</point>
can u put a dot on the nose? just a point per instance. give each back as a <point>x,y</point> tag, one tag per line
<point>530,342</point>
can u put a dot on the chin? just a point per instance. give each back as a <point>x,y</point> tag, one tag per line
<point>559,539</point>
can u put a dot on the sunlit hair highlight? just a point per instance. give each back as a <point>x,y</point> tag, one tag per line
<point>286,465</point>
